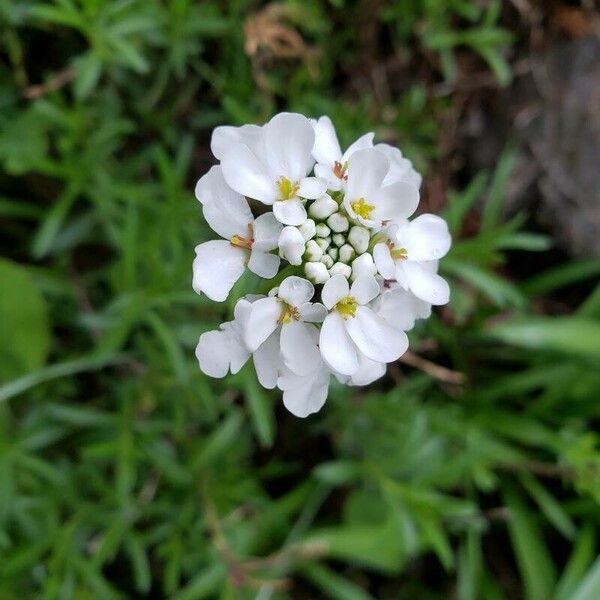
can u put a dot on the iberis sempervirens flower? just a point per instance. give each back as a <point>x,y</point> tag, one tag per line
<point>333,229</point>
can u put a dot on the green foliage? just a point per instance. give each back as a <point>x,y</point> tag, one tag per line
<point>125,473</point>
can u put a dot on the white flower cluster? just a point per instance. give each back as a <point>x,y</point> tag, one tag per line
<point>357,273</point>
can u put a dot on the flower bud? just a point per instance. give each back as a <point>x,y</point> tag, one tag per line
<point>363,265</point>
<point>340,269</point>
<point>322,230</point>
<point>308,229</point>
<point>359,238</point>
<point>333,252</point>
<point>323,207</point>
<point>316,272</point>
<point>347,253</point>
<point>338,239</point>
<point>291,245</point>
<point>338,222</point>
<point>327,261</point>
<point>323,243</point>
<point>314,252</point>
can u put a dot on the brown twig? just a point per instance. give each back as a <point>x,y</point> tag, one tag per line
<point>541,469</point>
<point>57,81</point>
<point>436,371</point>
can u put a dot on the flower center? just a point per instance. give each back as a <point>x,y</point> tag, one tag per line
<point>339,170</point>
<point>288,314</point>
<point>287,189</point>
<point>362,209</point>
<point>347,307</point>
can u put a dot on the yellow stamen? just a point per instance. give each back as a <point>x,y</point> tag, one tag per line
<point>288,314</point>
<point>347,307</point>
<point>399,253</point>
<point>287,189</point>
<point>339,170</point>
<point>362,209</point>
<point>241,242</point>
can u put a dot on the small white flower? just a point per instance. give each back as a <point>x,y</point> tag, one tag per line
<point>410,257</point>
<point>292,312</point>
<point>352,328</point>
<point>275,170</point>
<point>370,202</point>
<point>332,164</point>
<point>291,245</point>
<point>247,241</point>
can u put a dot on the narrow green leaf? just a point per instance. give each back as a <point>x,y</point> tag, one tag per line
<point>332,584</point>
<point>534,561</point>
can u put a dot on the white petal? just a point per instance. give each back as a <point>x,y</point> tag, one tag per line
<point>312,312</point>
<point>290,212</point>
<point>364,289</point>
<point>264,264</point>
<point>327,148</point>
<point>400,308</point>
<point>427,238</point>
<point>425,284</point>
<point>368,371</point>
<point>395,202</point>
<point>262,322</point>
<point>384,261</point>
<point>337,348</point>
<point>226,211</point>
<point>334,290</point>
<point>288,144</point>
<point>298,350</point>
<point>267,361</point>
<point>217,266</point>
<point>401,169</point>
<point>366,170</point>
<point>225,136</point>
<point>291,245</point>
<point>296,290</point>
<point>303,396</point>
<point>213,353</point>
<point>266,232</point>
<point>376,338</point>
<point>364,141</point>
<point>325,172</point>
<point>312,188</point>
<point>247,174</point>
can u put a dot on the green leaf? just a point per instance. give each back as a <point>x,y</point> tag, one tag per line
<point>332,584</point>
<point>533,558</point>
<point>589,588</point>
<point>89,69</point>
<point>375,546</point>
<point>561,276</point>
<point>261,409</point>
<point>492,208</point>
<point>582,556</point>
<point>23,323</point>
<point>571,335</point>
<point>501,292</point>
